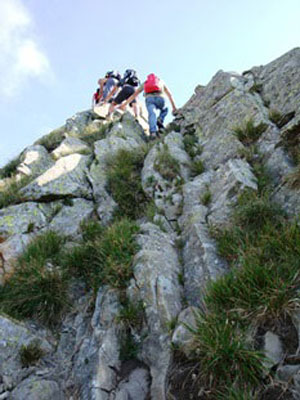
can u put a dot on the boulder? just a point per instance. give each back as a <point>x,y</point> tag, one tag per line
<point>69,146</point>
<point>67,178</point>
<point>34,161</point>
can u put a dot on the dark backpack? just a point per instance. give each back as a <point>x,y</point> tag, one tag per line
<point>130,78</point>
<point>113,74</point>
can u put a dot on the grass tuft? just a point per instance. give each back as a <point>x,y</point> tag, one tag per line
<point>104,257</point>
<point>124,182</point>
<point>166,165</point>
<point>197,168</point>
<point>10,192</point>
<point>37,288</point>
<point>31,353</point>
<point>53,139</point>
<point>249,133</point>
<point>9,169</point>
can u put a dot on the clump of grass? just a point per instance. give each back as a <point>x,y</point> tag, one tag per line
<point>10,192</point>
<point>253,211</point>
<point>151,210</point>
<point>131,314</point>
<point>206,197</point>
<point>256,88</point>
<point>223,352</point>
<point>291,143</point>
<point>53,139</point>
<point>105,255</point>
<point>275,116</point>
<point>37,288</point>
<point>197,168</point>
<point>124,182</point>
<point>166,165</point>
<point>10,168</point>
<point>30,354</point>
<point>129,347</point>
<point>249,133</point>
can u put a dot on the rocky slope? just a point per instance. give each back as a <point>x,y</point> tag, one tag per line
<point>193,177</point>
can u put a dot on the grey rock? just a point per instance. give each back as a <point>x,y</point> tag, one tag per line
<point>273,349</point>
<point>13,336</point>
<point>230,180</point>
<point>10,249</point>
<point>286,372</point>
<point>69,219</point>
<point>66,178</point>
<point>281,82</point>
<point>69,146</point>
<point>79,121</point>
<point>17,219</point>
<point>182,337</point>
<point>155,283</point>
<point>35,389</point>
<point>34,161</point>
<point>135,387</point>
<point>97,348</point>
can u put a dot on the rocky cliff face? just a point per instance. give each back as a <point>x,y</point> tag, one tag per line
<point>236,137</point>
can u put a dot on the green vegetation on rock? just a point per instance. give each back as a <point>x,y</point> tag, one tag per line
<point>9,169</point>
<point>105,255</point>
<point>249,133</point>
<point>124,182</point>
<point>52,139</point>
<point>37,287</point>
<point>10,192</point>
<point>166,164</point>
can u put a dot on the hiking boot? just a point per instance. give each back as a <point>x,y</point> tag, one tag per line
<point>160,125</point>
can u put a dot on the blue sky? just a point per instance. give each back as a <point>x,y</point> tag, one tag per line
<point>53,52</point>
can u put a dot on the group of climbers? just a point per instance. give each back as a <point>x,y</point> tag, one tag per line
<point>123,91</point>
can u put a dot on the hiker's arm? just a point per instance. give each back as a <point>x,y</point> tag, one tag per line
<point>170,97</point>
<point>101,83</point>
<point>131,98</point>
<point>111,94</point>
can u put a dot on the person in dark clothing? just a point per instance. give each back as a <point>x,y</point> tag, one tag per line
<point>126,86</point>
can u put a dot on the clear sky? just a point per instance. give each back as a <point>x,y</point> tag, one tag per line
<point>53,52</point>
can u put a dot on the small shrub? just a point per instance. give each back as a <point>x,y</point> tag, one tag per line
<point>124,182</point>
<point>197,168</point>
<point>53,139</point>
<point>37,289</point>
<point>31,353</point>
<point>166,165</point>
<point>10,193</point>
<point>249,133</point>
<point>9,169</point>
<point>30,227</point>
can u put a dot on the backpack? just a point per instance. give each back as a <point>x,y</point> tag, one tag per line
<point>152,84</point>
<point>130,78</point>
<point>113,74</point>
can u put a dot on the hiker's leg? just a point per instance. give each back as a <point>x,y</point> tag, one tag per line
<point>111,109</point>
<point>150,104</point>
<point>160,103</point>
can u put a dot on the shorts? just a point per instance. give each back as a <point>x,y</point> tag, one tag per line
<point>125,93</point>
